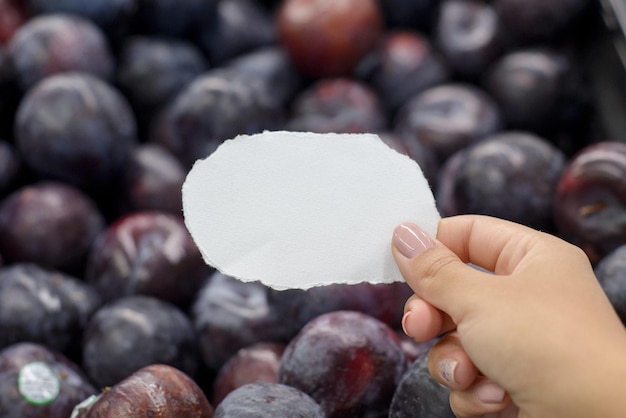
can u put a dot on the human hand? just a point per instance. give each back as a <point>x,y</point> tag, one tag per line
<point>537,338</point>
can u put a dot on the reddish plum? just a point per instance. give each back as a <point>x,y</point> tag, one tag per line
<point>348,361</point>
<point>256,363</point>
<point>157,390</point>
<point>590,209</point>
<point>149,253</point>
<point>327,38</point>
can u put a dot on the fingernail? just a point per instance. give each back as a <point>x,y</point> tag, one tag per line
<point>405,319</point>
<point>446,370</point>
<point>489,392</point>
<point>410,240</point>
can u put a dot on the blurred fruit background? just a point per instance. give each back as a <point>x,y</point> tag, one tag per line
<point>513,108</point>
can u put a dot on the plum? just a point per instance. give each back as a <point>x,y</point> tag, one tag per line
<point>13,14</point>
<point>40,306</point>
<point>133,332</point>
<point>467,34</point>
<point>449,117</point>
<point>418,395</point>
<point>77,128</point>
<point>151,71</point>
<point>157,390</point>
<point>348,361</point>
<point>229,315</point>
<point>404,64</point>
<point>49,223</point>
<point>611,273</point>
<point>56,43</point>
<point>36,382</point>
<point>239,26</point>
<point>511,175</point>
<point>268,400</point>
<point>153,180</point>
<point>590,208</point>
<point>256,363</point>
<point>327,38</point>
<point>216,106</point>
<point>536,89</point>
<point>149,253</point>
<point>340,105</point>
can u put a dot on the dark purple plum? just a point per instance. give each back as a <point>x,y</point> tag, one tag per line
<point>153,180</point>
<point>157,390</point>
<point>174,18</point>
<point>49,223</point>
<point>76,128</point>
<point>137,331</point>
<point>536,89</point>
<point>13,14</point>
<point>404,64</point>
<point>240,26</point>
<point>272,72</point>
<point>10,167</point>
<point>467,34</point>
<point>268,400</point>
<point>327,38</point>
<point>411,14</point>
<point>449,117</point>
<point>611,273</point>
<point>257,363</point>
<point>510,175</point>
<point>532,21</point>
<point>348,361</point>
<point>213,108</point>
<point>152,70</point>
<point>149,253</point>
<point>43,306</point>
<point>56,43</point>
<point>412,349</point>
<point>340,105</point>
<point>36,382</point>
<point>113,16</point>
<point>229,315</point>
<point>590,208</point>
<point>418,395</point>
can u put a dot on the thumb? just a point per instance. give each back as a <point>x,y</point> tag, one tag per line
<point>434,272</point>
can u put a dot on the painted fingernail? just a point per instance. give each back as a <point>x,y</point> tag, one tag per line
<point>489,392</point>
<point>405,319</point>
<point>446,370</point>
<point>410,240</point>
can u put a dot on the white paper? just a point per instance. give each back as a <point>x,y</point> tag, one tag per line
<point>297,210</point>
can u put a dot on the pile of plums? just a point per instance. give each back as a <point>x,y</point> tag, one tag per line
<point>107,308</point>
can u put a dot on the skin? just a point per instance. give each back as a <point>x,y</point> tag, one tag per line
<point>537,338</point>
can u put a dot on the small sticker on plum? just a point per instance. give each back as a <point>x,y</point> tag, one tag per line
<point>38,384</point>
<point>301,209</point>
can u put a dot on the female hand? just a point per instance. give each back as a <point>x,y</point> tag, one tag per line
<point>533,336</point>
